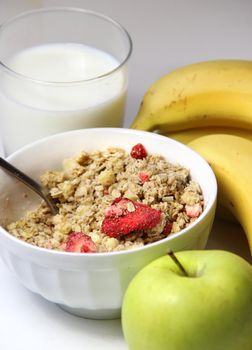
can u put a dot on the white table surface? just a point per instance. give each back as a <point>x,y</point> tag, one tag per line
<point>166,34</point>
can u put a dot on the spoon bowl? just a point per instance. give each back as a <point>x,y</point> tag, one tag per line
<point>32,184</point>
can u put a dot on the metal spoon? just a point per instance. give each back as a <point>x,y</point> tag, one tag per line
<point>41,191</point>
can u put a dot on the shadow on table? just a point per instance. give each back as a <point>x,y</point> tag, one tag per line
<point>229,236</point>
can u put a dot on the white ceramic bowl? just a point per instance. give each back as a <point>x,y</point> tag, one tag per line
<point>92,285</point>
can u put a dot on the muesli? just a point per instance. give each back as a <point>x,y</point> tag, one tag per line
<point>111,200</point>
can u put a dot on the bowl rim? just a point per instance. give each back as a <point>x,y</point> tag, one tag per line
<point>211,201</point>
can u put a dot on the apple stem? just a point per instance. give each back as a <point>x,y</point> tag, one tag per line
<point>177,262</point>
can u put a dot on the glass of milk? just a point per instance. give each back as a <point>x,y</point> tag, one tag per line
<point>61,69</point>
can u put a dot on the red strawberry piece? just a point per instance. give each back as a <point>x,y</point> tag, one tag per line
<point>167,229</point>
<point>193,211</point>
<point>63,246</point>
<point>79,242</point>
<point>143,177</point>
<point>118,207</point>
<point>141,217</point>
<point>138,151</point>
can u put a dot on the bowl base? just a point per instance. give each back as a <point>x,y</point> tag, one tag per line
<point>105,314</point>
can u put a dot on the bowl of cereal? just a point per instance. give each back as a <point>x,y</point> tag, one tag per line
<point>124,198</point>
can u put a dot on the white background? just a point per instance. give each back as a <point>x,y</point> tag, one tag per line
<point>166,34</point>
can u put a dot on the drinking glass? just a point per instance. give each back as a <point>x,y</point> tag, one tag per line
<point>61,69</point>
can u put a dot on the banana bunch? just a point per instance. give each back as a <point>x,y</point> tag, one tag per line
<point>208,106</point>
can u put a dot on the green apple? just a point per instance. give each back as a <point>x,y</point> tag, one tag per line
<point>209,308</point>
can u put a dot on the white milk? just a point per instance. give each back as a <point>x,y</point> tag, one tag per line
<point>61,93</point>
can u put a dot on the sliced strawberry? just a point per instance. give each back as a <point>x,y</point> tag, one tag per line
<point>143,177</point>
<point>113,210</point>
<point>118,207</point>
<point>79,242</point>
<point>132,216</point>
<point>193,211</point>
<point>167,229</point>
<point>138,151</point>
<point>63,246</point>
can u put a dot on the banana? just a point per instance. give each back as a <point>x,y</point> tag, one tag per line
<point>230,157</point>
<point>186,136</point>
<point>211,93</point>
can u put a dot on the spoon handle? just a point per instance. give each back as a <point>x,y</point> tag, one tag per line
<point>42,192</point>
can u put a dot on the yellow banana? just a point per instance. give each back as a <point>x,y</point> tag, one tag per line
<point>185,136</point>
<point>231,160</point>
<point>212,93</point>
